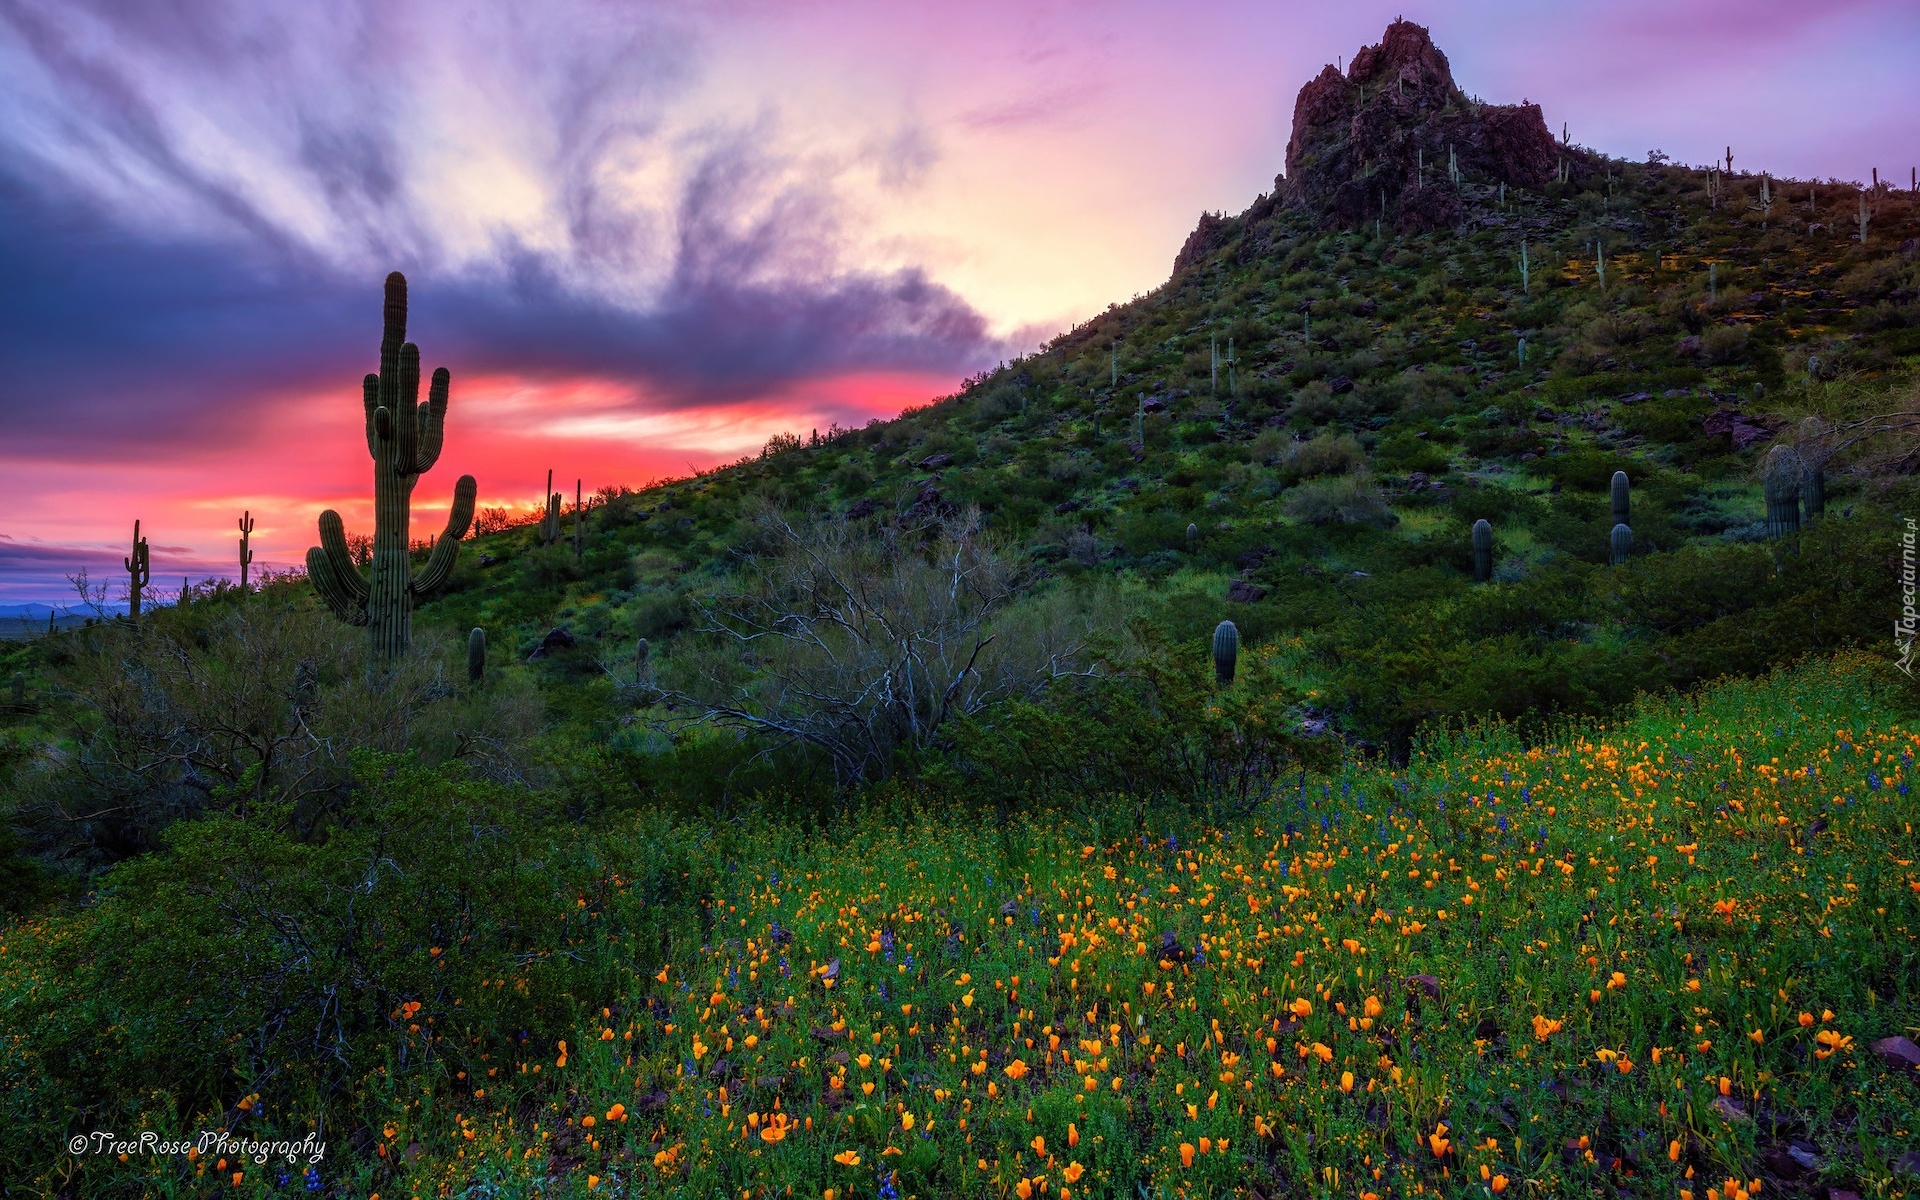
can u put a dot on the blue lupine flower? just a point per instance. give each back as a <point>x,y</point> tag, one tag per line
<point>1873,781</point>
<point>313,1179</point>
<point>1503,824</point>
<point>886,1187</point>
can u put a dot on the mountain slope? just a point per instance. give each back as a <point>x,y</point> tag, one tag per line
<point>1372,402</point>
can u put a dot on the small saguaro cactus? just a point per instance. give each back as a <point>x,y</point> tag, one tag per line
<point>1193,536</point>
<point>246,546</point>
<point>1622,499</point>
<point>476,655</point>
<point>550,523</point>
<point>1482,551</point>
<point>640,651</point>
<point>139,572</point>
<point>1620,548</point>
<point>19,690</point>
<point>404,438</point>
<point>1226,650</point>
<point>1780,482</point>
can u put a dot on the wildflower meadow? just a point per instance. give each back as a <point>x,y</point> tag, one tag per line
<point>1672,956</point>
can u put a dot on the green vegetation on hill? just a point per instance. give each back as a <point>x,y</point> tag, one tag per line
<point>1378,409</point>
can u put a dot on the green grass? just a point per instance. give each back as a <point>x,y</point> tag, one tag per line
<point>1638,935</point>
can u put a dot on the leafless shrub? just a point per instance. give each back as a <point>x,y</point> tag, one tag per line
<point>865,641</point>
<point>231,706</point>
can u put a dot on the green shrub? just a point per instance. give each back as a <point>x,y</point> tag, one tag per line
<point>1347,499</point>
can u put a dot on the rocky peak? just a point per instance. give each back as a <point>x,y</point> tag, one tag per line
<point>1383,141</point>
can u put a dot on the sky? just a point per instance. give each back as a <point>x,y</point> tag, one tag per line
<point>644,237</point>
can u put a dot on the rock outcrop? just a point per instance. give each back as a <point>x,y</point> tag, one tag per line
<point>1385,140</point>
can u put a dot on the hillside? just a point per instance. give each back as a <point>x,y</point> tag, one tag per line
<point>1521,320</point>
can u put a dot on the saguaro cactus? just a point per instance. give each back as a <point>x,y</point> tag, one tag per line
<point>476,655</point>
<point>1622,499</point>
<point>139,573</point>
<point>1620,548</point>
<point>19,690</point>
<point>640,650</point>
<point>550,523</point>
<point>1226,650</point>
<point>579,523</point>
<point>404,437</point>
<point>1482,551</point>
<point>246,547</point>
<point>1813,461</point>
<point>1780,482</point>
<point>1193,536</point>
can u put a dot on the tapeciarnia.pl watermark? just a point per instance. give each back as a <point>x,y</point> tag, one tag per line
<point>1908,623</point>
<point>208,1143</point>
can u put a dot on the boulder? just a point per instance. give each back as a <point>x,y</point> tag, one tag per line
<point>557,639</point>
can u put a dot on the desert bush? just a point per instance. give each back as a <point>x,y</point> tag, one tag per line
<point>1142,730</point>
<point>227,707</point>
<point>1328,454</point>
<point>1404,452</point>
<point>1346,499</point>
<point>427,936</point>
<point>864,640</point>
<point>1724,343</point>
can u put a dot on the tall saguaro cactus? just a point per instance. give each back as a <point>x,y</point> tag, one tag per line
<point>246,547</point>
<point>550,523</point>
<point>579,523</point>
<point>404,437</point>
<point>139,573</point>
<point>1622,499</point>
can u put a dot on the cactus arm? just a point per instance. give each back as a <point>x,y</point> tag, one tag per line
<point>407,417</point>
<point>446,548</point>
<point>433,420</point>
<point>370,400</point>
<point>339,597</point>
<point>333,543</point>
<point>393,333</point>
